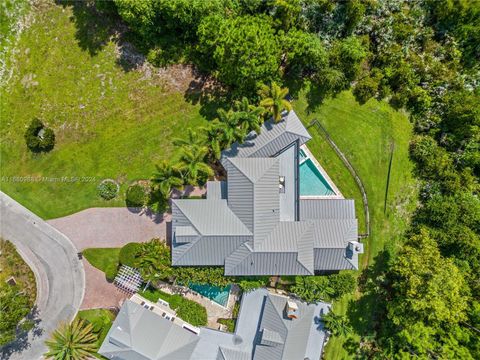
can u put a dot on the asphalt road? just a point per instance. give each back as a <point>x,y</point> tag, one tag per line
<point>59,274</point>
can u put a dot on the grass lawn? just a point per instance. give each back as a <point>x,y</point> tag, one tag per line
<point>109,121</point>
<point>364,133</point>
<point>102,258</point>
<point>101,319</point>
<point>186,309</point>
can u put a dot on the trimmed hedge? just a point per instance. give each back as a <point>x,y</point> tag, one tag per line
<point>136,196</point>
<point>111,271</point>
<point>128,253</point>
<point>38,137</point>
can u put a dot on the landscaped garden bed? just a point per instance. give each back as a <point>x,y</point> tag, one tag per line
<point>186,309</point>
<point>17,292</point>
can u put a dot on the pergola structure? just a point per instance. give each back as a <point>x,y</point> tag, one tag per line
<point>128,279</point>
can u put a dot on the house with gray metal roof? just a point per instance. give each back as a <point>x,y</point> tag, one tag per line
<point>257,222</point>
<point>269,327</point>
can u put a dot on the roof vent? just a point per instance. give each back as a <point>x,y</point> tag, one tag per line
<point>356,247</point>
<point>291,308</point>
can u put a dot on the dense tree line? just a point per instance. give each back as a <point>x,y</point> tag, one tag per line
<point>422,56</point>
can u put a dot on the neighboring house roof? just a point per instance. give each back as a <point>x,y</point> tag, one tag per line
<point>138,334</point>
<point>263,332</point>
<point>240,225</point>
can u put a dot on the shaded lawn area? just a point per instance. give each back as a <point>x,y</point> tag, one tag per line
<point>364,133</point>
<point>109,122</point>
<point>102,258</point>
<point>186,309</point>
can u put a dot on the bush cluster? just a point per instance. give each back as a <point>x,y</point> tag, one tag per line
<point>111,271</point>
<point>136,196</point>
<point>108,189</point>
<point>38,137</point>
<point>128,254</point>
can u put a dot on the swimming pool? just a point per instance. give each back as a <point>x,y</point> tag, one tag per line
<point>214,293</point>
<point>312,182</point>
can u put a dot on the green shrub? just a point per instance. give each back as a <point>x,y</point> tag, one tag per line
<point>251,283</point>
<point>128,253</point>
<point>342,283</point>
<point>111,271</point>
<point>230,323</point>
<point>108,189</point>
<point>186,309</point>
<point>38,137</point>
<point>136,196</point>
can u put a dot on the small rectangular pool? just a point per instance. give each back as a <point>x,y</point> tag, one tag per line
<point>214,293</point>
<point>312,182</point>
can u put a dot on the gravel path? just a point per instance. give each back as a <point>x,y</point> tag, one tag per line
<point>59,275</point>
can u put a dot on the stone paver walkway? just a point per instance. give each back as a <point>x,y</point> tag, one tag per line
<point>99,293</point>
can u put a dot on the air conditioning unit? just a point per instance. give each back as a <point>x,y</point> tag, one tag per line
<point>356,247</point>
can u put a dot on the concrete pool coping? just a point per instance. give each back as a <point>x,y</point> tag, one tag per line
<point>324,174</point>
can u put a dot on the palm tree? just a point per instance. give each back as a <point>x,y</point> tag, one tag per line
<point>249,115</point>
<point>337,324</point>
<point>75,341</point>
<point>153,261</point>
<point>193,139</point>
<point>192,164</point>
<point>231,130</point>
<point>166,178</point>
<point>273,100</point>
<point>214,134</point>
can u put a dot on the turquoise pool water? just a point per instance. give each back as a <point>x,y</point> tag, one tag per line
<point>214,293</point>
<point>312,182</point>
<point>302,156</point>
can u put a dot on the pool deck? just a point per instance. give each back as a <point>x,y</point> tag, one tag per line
<point>214,311</point>
<point>325,175</point>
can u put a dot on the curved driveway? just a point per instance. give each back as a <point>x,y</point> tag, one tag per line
<point>59,274</point>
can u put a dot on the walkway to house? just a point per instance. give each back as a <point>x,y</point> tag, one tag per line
<point>214,310</point>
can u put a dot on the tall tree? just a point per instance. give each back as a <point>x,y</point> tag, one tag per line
<point>192,165</point>
<point>153,261</point>
<point>249,115</point>
<point>193,139</point>
<point>75,341</point>
<point>337,324</point>
<point>213,138</point>
<point>231,129</point>
<point>273,100</point>
<point>14,306</point>
<point>166,178</point>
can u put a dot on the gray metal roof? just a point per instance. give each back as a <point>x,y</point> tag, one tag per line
<point>240,224</point>
<point>216,190</point>
<point>262,332</point>
<point>272,138</point>
<point>139,333</point>
<point>313,209</point>
<point>335,259</point>
<point>211,217</point>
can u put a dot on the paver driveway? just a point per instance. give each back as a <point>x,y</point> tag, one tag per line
<point>111,227</point>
